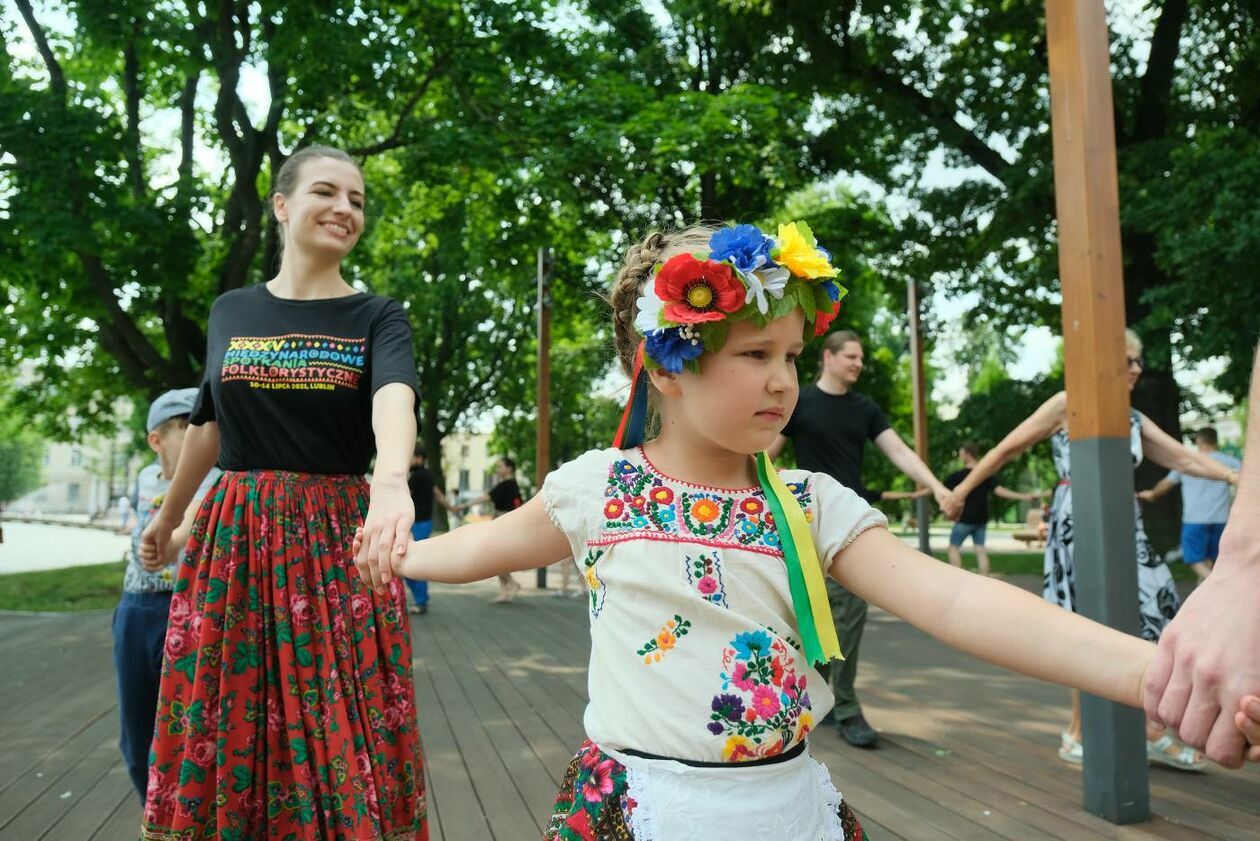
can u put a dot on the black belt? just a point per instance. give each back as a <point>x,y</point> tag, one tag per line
<point>752,763</point>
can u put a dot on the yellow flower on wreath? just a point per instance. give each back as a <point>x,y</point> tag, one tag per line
<point>797,250</point>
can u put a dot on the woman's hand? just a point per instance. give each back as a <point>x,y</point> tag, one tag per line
<point>156,547</point>
<point>952,506</point>
<point>1248,721</point>
<point>385,533</point>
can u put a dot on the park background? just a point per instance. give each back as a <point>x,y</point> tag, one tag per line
<point>138,140</point>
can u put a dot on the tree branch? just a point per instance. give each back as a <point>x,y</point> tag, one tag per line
<point>131,90</point>
<point>394,140</point>
<point>1155,90</point>
<point>187,136</point>
<point>56,76</point>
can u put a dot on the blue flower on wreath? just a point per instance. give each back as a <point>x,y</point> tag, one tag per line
<point>832,288</point>
<point>745,246</point>
<point>750,644</point>
<point>671,350</point>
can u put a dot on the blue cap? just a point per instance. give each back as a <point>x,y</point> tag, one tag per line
<point>172,404</point>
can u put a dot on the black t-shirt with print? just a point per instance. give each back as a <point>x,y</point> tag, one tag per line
<point>506,496</point>
<point>976,507</point>
<point>830,432</point>
<point>290,382</point>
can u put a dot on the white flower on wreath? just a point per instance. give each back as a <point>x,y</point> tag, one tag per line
<point>765,281</point>
<point>650,307</point>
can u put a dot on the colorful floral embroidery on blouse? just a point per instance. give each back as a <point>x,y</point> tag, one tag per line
<point>763,707</point>
<point>704,574</point>
<point>593,582</point>
<point>641,503</point>
<point>666,638</point>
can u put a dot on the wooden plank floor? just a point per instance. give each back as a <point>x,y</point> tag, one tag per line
<point>967,751</point>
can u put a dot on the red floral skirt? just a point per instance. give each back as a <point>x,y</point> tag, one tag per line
<point>287,709</point>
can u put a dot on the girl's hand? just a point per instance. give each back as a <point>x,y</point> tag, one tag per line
<point>385,533</point>
<point>952,505</point>
<point>1248,720</point>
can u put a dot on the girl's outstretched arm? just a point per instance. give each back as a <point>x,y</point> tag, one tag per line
<point>522,539</point>
<point>992,620</point>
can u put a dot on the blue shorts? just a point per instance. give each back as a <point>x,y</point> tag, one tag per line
<point>962,531</point>
<point>1201,541</point>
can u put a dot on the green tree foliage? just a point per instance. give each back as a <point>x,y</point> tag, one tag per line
<point>21,451</point>
<point>907,83</point>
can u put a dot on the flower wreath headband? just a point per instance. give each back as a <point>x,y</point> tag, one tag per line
<point>687,308</point>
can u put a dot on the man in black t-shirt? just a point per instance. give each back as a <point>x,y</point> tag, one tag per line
<point>830,428</point>
<point>506,497</point>
<point>975,516</point>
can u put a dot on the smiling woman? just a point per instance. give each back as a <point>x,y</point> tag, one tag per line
<point>287,705</point>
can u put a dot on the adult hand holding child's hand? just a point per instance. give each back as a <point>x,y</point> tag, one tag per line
<point>384,534</point>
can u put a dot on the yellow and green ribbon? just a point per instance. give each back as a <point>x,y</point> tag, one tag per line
<point>805,578</point>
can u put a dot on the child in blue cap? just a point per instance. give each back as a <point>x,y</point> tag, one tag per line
<point>140,620</point>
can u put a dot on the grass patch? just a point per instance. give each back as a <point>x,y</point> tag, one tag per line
<point>1030,563</point>
<point>95,587</point>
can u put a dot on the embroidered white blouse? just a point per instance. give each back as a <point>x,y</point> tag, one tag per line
<point>693,654</point>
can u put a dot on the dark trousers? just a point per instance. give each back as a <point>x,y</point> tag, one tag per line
<point>139,639</point>
<point>849,613</point>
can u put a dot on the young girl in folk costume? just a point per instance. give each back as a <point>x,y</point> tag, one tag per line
<point>705,566</point>
<point>287,706</point>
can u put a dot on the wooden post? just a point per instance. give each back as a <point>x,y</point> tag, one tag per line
<point>919,387</point>
<point>542,459</point>
<point>1091,273</point>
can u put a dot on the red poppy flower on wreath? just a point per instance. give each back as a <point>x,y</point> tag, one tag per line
<point>695,291</point>
<point>823,319</point>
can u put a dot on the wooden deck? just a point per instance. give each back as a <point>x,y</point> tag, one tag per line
<point>968,750</point>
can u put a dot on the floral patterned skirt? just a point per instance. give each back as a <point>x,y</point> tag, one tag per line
<point>595,804</point>
<point>287,709</point>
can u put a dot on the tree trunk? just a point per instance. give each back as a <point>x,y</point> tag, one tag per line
<point>1157,395</point>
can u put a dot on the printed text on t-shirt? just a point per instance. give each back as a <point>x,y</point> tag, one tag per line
<point>295,361</point>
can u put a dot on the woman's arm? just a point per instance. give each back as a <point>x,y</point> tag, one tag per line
<point>1038,426</point>
<point>1007,493</point>
<point>1162,448</point>
<point>443,501</point>
<point>464,506</point>
<point>992,620</point>
<point>522,539</point>
<point>387,528</point>
<point>200,452</point>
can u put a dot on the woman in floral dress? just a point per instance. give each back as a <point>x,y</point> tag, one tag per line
<point>287,708</point>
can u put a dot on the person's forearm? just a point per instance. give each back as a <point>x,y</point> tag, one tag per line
<point>992,462</point>
<point>1014,629</point>
<point>1240,544</point>
<point>1196,463</point>
<point>200,452</point>
<point>909,463</point>
<point>394,423</point>
<point>458,557</point>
